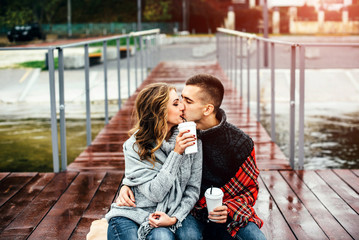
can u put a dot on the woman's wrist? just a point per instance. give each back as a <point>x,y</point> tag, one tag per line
<point>173,220</point>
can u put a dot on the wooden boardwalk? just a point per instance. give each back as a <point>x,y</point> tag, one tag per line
<point>321,204</point>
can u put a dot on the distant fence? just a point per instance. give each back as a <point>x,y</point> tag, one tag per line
<point>103,28</point>
<point>138,66</point>
<point>230,43</point>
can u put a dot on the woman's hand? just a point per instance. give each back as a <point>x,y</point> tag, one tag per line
<point>125,197</point>
<point>183,141</point>
<point>161,219</point>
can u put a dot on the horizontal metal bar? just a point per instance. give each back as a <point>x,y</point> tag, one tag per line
<point>146,32</point>
<point>26,48</point>
<point>237,33</point>
<point>270,40</point>
<point>329,44</point>
<point>254,36</point>
<point>100,40</point>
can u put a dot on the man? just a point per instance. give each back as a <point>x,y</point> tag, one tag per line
<point>228,163</point>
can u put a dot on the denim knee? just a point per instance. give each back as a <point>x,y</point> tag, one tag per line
<point>160,233</point>
<point>191,229</point>
<point>121,228</point>
<point>250,232</point>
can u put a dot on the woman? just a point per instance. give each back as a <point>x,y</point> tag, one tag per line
<point>165,181</point>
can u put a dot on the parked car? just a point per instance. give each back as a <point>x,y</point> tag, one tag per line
<point>26,33</point>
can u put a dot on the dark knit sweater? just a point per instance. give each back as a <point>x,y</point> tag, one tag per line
<point>225,148</point>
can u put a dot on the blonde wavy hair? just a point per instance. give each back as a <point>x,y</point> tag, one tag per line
<point>151,119</point>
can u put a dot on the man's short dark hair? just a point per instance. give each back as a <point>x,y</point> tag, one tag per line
<point>212,87</point>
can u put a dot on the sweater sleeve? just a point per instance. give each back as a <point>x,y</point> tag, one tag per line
<point>240,195</point>
<point>191,193</point>
<point>157,188</point>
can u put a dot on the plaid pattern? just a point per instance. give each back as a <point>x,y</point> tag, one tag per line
<point>240,195</point>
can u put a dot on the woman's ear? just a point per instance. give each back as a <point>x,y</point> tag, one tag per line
<point>208,109</point>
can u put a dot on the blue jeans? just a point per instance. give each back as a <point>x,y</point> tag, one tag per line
<point>121,228</point>
<point>250,232</point>
<point>214,231</point>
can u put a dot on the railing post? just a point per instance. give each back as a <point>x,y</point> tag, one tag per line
<point>152,52</point>
<point>273,93</point>
<point>301,105</point>
<point>88,103</point>
<point>146,58</point>
<point>147,55</point>
<point>248,72</point>
<point>228,57</point>
<point>258,82</point>
<point>292,108</point>
<point>233,38</point>
<point>217,47</point>
<point>55,146</point>
<point>118,73</point>
<point>229,54</point>
<point>235,61</point>
<point>62,111</point>
<point>241,65</point>
<point>157,46</point>
<point>128,66</point>
<point>220,45</point>
<point>105,79</point>
<point>135,46</point>
<point>141,58</point>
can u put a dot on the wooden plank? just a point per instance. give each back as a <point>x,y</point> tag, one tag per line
<point>320,214</point>
<point>12,184</point>
<point>3,175</point>
<point>349,177</point>
<point>30,217</point>
<point>356,172</point>
<point>23,198</point>
<point>64,216</point>
<point>105,195</point>
<point>100,204</point>
<point>275,226</point>
<point>295,213</point>
<point>82,229</point>
<point>344,214</point>
<point>341,188</point>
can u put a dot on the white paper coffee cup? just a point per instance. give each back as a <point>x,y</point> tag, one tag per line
<point>192,127</point>
<point>214,199</point>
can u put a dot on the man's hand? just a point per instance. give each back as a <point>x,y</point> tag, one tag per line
<point>126,197</point>
<point>161,219</point>
<point>219,214</point>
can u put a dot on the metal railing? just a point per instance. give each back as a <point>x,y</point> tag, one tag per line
<point>145,56</point>
<point>227,47</point>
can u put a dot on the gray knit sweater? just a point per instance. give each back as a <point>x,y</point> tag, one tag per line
<point>171,186</point>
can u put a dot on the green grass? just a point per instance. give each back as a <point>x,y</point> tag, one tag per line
<point>25,145</point>
<point>113,42</point>
<point>38,64</point>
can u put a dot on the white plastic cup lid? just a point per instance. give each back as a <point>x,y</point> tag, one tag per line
<point>186,124</point>
<point>216,193</point>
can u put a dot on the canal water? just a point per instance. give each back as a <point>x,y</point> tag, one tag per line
<point>331,135</point>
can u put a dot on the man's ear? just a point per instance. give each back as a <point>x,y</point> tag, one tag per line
<point>208,109</point>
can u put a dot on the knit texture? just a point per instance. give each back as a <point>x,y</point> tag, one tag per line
<point>225,148</point>
<point>171,186</point>
<point>229,163</point>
